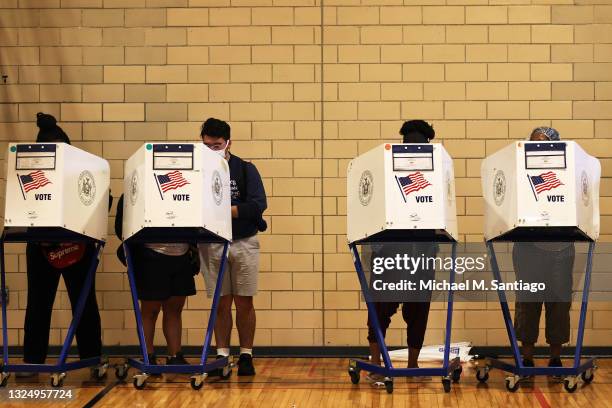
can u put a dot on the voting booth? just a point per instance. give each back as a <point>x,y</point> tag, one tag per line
<point>56,186</point>
<point>176,193</point>
<point>541,188</point>
<point>177,186</point>
<point>541,191</point>
<point>401,193</point>
<point>55,193</point>
<point>395,188</point>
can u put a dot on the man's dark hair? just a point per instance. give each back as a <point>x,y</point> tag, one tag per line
<point>417,131</point>
<point>48,130</point>
<point>215,128</point>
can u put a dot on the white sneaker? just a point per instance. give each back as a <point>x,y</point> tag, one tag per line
<point>376,380</point>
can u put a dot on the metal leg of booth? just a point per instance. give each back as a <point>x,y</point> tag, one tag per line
<point>58,370</point>
<point>355,366</point>
<point>197,380</point>
<point>146,368</point>
<point>4,297</point>
<point>518,370</point>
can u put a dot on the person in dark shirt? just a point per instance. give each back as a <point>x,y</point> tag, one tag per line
<point>45,263</point>
<point>248,200</point>
<point>415,313</point>
<point>530,260</point>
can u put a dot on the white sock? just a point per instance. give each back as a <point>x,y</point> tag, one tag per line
<point>223,351</point>
<point>248,351</point>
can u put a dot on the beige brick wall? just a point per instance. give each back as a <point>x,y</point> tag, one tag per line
<point>306,87</point>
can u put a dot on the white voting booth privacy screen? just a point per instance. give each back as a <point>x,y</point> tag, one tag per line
<point>177,185</point>
<point>56,185</point>
<point>541,184</point>
<point>397,188</point>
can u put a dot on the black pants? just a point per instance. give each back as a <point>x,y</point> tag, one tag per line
<point>554,268</point>
<point>415,312</point>
<point>43,279</point>
<point>415,315</point>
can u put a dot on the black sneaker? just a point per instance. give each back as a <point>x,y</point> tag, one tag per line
<point>555,362</point>
<point>153,361</point>
<point>245,365</point>
<point>528,363</point>
<point>177,359</point>
<point>217,372</point>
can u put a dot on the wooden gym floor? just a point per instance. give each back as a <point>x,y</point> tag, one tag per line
<point>320,382</point>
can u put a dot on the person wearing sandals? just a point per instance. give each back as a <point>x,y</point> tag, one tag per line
<point>415,312</point>
<point>557,258</point>
<point>45,263</point>
<point>164,275</point>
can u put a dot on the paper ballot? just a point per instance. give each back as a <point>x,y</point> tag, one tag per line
<point>436,352</point>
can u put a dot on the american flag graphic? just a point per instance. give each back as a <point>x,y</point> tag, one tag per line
<point>545,181</point>
<point>34,180</point>
<point>412,182</point>
<point>171,181</point>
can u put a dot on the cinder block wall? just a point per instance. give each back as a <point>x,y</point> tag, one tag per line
<point>306,87</point>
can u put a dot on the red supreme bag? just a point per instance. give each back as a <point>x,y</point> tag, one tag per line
<point>64,254</point>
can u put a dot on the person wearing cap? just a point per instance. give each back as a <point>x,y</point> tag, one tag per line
<point>552,263</point>
<point>416,311</point>
<point>45,263</point>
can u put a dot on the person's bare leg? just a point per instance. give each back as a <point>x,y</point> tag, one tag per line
<point>374,353</point>
<point>528,349</point>
<point>224,323</point>
<point>149,310</point>
<point>555,350</point>
<point>173,323</point>
<point>413,357</point>
<point>246,320</point>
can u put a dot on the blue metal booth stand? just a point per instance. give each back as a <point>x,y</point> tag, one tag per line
<point>450,370</point>
<point>583,369</point>
<point>58,371</point>
<point>198,372</point>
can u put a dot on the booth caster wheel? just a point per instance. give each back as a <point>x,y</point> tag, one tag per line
<point>512,383</point>
<point>121,371</point>
<point>355,375</point>
<point>4,379</point>
<point>570,384</point>
<point>140,381</point>
<point>389,385</point>
<point>57,379</point>
<point>456,375</point>
<point>197,381</point>
<point>588,375</point>
<point>446,383</point>
<point>482,375</point>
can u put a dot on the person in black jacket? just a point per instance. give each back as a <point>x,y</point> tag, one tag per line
<point>46,262</point>
<point>240,279</point>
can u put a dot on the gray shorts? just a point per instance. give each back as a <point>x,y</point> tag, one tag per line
<point>241,270</point>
